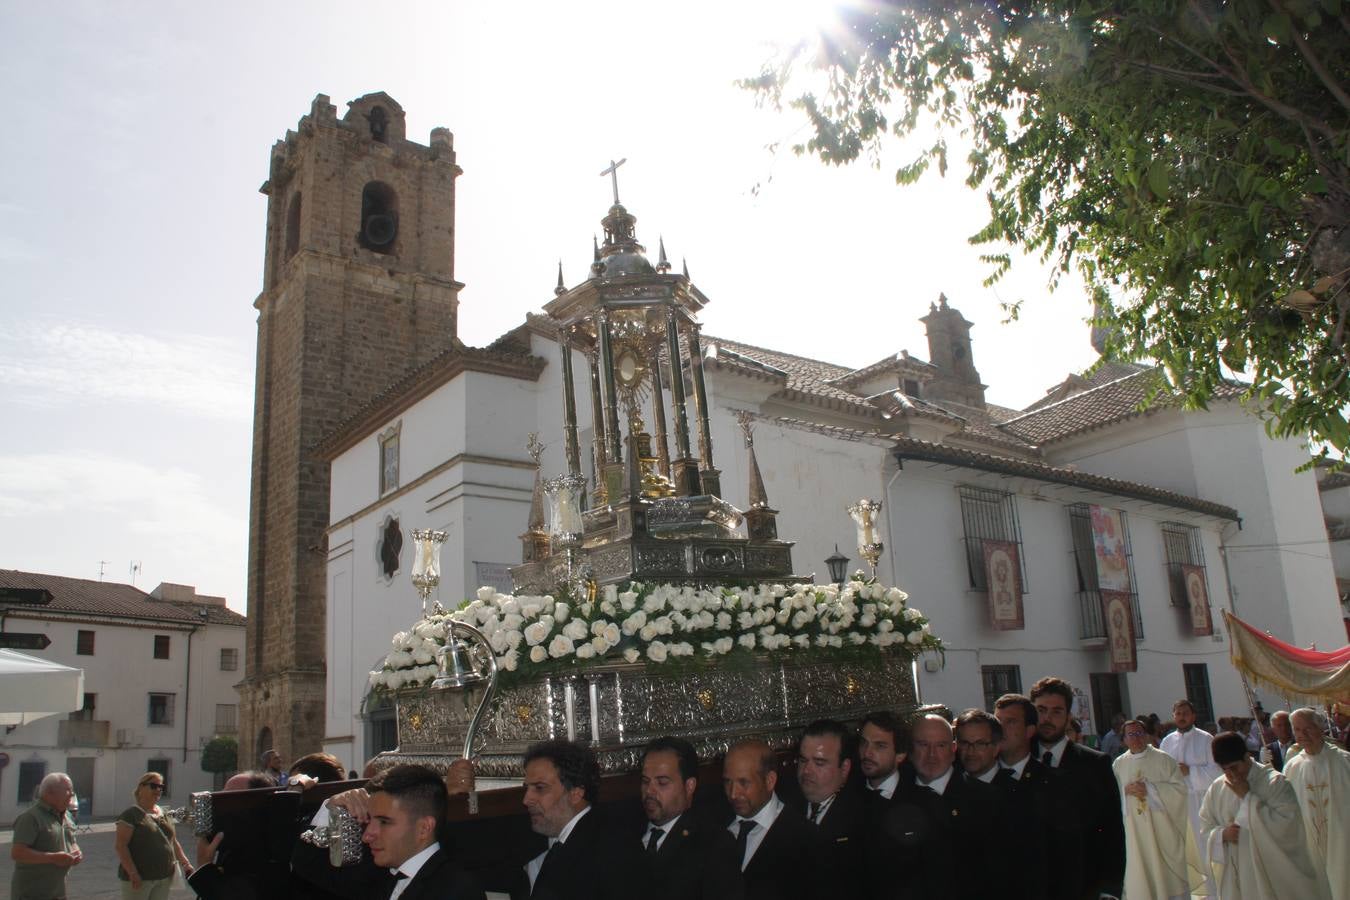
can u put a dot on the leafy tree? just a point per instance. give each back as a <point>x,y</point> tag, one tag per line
<point>1189,159</point>
<point>220,755</point>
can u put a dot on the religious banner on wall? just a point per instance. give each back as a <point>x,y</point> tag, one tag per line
<point>1197,598</point>
<point>1119,619</point>
<point>1108,540</point>
<point>1003,579</point>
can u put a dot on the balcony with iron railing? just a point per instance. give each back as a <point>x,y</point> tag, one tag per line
<point>1093,627</point>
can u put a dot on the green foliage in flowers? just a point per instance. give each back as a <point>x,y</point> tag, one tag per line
<point>674,627</point>
<point>1191,160</point>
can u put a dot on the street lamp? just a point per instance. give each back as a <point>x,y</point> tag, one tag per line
<point>837,563</point>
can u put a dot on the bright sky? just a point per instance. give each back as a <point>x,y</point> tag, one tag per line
<point>131,229</point>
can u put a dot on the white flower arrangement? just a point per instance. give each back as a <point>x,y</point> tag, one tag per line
<point>668,625</point>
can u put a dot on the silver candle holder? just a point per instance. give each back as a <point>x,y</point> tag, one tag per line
<point>426,571</point>
<point>864,515</point>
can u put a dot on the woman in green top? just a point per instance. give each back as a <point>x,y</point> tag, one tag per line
<point>146,846</point>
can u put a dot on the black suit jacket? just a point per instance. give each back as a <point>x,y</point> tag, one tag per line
<point>598,861</point>
<point>786,864</point>
<point>696,861</point>
<point>842,833</point>
<point>1089,783</point>
<point>922,844</point>
<point>440,878</point>
<point>213,882</point>
<point>1044,832</point>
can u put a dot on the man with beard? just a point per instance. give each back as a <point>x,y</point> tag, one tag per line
<point>1050,857</point>
<point>685,857</point>
<point>1091,786</point>
<point>1189,746</point>
<point>883,746</point>
<point>833,805</point>
<point>778,850</point>
<point>1252,831</point>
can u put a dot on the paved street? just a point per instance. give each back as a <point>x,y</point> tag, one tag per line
<point>96,877</point>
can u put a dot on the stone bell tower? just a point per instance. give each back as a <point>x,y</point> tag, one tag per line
<point>358,289</point>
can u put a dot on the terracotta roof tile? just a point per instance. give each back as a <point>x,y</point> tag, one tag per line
<point>107,598</point>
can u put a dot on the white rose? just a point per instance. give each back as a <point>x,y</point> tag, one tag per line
<point>610,593</point>
<point>611,634</point>
<point>513,638</point>
<point>723,645</point>
<point>911,614</point>
<point>867,620</point>
<point>513,621</point>
<point>631,655</point>
<point>561,612</point>
<point>598,645</point>
<point>535,633</point>
<point>509,606</point>
<point>509,660</point>
<point>585,651</point>
<point>856,638</point>
<point>586,609</point>
<point>538,654</point>
<point>560,646</point>
<point>835,640</point>
<point>656,652</point>
<point>800,619</point>
<point>655,602</point>
<point>885,625</point>
<point>723,621</point>
<point>685,648</point>
<point>664,625</point>
<point>708,648</point>
<point>926,628</point>
<point>705,619</point>
<point>576,630</point>
<point>746,621</point>
<point>486,593</point>
<point>648,632</point>
<point>530,610</point>
<point>395,680</point>
<point>747,640</point>
<point>608,608</point>
<point>634,623</point>
<point>627,600</point>
<point>895,595</point>
<point>400,639</point>
<point>784,615</point>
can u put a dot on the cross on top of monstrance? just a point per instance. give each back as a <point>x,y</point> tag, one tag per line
<point>613,173</point>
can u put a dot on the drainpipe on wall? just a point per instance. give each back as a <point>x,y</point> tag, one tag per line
<point>187,691</point>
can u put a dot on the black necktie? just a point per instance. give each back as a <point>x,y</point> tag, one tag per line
<point>549,856</point>
<point>743,838</point>
<point>812,810</point>
<point>654,839</point>
<point>1048,759</point>
<point>1005,776</point>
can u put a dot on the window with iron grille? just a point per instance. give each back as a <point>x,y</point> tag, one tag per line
<point>1182,547</point>
<point>84,643</point>
<point>229,659</point>
<point>227,718</point>
<point>1196,676</point>
<point>999,680</point>
<point>988,515</point>
<point>1085,566</point>
<point>161,709</point>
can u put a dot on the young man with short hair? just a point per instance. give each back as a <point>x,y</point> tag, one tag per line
<point>883,746</point>
<point>1160,852</point>
<point>1189,745</point>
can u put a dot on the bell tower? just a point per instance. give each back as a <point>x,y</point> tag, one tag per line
<point>358,289</point>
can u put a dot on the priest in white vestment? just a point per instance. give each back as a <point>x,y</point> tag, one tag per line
<point>1160,852</point>
<point>1253,831</point>
<point>1189,746</point>
<point>1321,779</point>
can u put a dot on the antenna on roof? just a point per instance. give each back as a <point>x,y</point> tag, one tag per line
<point>135,570</point>
<point>101,564</point>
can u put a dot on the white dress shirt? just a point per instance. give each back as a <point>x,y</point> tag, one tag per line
<point>666,829</point>
<point>1016,768</point>
<point>938,784</point>
<point>888,785</point>
<point>763,820</point>
<point>411,866</point>
<point>1056,752</point>
<point>533,866</point>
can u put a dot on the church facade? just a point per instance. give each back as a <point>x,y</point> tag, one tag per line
<point>1198,497</point>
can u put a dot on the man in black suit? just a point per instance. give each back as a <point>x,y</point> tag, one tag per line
<point>883,746</point>
<point>403,808</point>
<point>778,849</point>
<point>833,804</point>
<point>1047,822</point>
<point>1091,785</point>
<point>584,858</point>
<point>685,857</point>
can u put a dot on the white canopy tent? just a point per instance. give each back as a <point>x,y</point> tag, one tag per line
<point>31,688</point>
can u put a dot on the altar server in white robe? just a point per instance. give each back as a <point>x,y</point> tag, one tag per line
<point>1321,779</point>
<point>1189,746</point>
<point>1160,852</point>
<point>1253,831</point>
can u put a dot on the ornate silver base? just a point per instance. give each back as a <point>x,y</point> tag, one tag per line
<point>618,708</point>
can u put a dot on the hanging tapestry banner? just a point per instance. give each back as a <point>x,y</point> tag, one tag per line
<point>1119,619</point>
<point>1197,598</point>
<point>1003,578</point>
<point>1108,540</point>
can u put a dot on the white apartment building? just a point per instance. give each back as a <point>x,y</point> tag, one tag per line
<point>159,676</point>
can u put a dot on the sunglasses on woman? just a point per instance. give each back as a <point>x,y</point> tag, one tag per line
<point>152,785</point>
